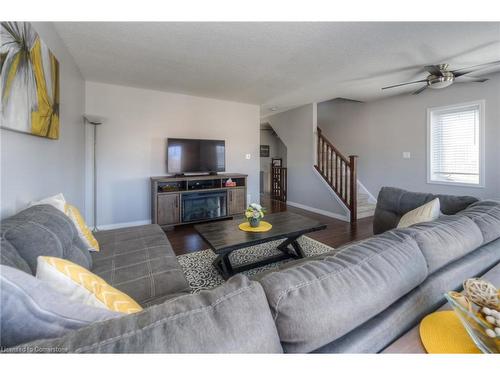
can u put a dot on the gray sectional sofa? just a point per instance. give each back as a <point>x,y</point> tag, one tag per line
<point>358,298</point>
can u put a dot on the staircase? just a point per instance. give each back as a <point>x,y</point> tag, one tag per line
<point>339,172</point>
<point>365,207</point>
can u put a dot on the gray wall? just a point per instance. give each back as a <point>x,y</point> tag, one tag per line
<point>296,128</point>
<point>132,143</point>
<point>277,150</point>
<point>380,131</point>
<point>34,167</point>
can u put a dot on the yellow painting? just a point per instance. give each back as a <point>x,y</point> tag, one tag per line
<point>29,82</point>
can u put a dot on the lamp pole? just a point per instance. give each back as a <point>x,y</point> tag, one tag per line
<point>94,121</point>
<point>94,179</point>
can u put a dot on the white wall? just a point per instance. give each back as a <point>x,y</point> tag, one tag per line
<point>132,143</point>
<point>380,131</point>
<point>296,128</point>
<point>34,167</point>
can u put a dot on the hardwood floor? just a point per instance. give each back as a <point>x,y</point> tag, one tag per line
<point>185,239</point>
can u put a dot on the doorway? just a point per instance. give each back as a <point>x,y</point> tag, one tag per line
<point>272,151</point>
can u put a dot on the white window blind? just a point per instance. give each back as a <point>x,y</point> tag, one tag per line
<point>455,145</point>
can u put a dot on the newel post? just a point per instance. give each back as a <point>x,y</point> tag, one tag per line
<point>318,153</point>
<point>353,193</point>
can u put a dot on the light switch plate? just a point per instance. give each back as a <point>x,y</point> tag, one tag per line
<point>406,155</point>
<point>248,156</point>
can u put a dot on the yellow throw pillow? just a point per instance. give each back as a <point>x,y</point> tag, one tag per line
<point>427,212</point>
<point>84,231</point>
<point>79,284</point>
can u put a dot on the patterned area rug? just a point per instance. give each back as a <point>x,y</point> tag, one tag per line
<point>201,274</point>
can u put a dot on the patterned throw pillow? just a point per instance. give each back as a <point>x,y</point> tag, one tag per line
<point>84,231</point>
<point>31,310</point>
<point>427,212</point>
<point>81,285</point>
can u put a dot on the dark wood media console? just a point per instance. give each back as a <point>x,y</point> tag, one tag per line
<point>196,199</point>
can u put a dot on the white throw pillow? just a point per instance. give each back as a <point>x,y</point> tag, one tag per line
<point>427,212</point>
<point>81,285</point>
<point>57,201</point>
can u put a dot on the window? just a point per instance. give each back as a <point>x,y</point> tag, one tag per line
<point>455,144</point>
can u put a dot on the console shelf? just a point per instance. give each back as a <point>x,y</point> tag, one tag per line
<point>194,199</point>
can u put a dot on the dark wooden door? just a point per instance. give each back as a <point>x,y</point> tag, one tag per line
<point>237,201</point>
<point>169,209</point>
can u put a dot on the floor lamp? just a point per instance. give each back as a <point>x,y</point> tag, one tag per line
<point>94,121</point>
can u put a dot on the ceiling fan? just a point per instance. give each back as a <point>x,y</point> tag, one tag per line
<point>440,76</point>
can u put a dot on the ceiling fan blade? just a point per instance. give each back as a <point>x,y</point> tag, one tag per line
<point>434,70</point>
<point>403,84</point>
<point>466,79</point>
<point>419,90</point>
<point>470,69</point>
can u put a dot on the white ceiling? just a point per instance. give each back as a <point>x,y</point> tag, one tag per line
<point>274,64</point>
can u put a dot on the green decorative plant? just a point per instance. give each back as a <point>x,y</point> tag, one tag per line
<point>254,214</point>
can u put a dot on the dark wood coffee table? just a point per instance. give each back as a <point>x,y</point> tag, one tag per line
<point>224,237</point>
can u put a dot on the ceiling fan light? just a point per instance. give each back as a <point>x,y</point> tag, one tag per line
<point>440,82</point>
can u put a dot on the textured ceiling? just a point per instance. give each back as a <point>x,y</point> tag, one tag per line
<point>274,64</point>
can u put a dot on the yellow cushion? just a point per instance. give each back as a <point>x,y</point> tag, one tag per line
<point>84,231</point>
<point>427,212</point>
<point>79,284</point>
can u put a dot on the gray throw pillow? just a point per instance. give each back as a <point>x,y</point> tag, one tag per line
<point>44,230</point>
<point>31,310</point>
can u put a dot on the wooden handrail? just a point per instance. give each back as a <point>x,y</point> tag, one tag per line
<point>320,133</point>
<point>339,172</point>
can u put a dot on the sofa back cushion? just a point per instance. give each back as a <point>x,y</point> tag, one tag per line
<point>318,301</point>
<point>393,203</point>
<point>42,230</point>
<point>445,240</point>
<point>234,317</point>
<point>486,215</point>
<point>31,310</point>
<point>11,258</point>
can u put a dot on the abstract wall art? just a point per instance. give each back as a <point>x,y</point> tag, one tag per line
<point>29,82</point>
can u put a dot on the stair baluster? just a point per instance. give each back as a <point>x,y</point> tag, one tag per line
<point>339,172</point>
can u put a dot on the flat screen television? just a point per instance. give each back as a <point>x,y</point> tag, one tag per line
<point>195,155</point>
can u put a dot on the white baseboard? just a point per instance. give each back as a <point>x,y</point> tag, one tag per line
<point>319,211</point>
<point>123,225</point>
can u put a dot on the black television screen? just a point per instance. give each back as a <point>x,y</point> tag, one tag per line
<point>195,155</point>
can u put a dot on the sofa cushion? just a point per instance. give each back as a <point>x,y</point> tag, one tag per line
<point>486,215</point>
<point>233,318</point>
<point>445,239</point>
<point>393,203</point>
<point>380,331</point>
<point>140,262</point>
<point>31,310</point>
<point>44,230</point>
<point>318,301</point>
<point>11,258</point>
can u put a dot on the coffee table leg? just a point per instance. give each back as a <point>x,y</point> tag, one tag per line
<point>226,270</point>
<point>285,247</point>
<point>298,249</point>
<point>223,265</point>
